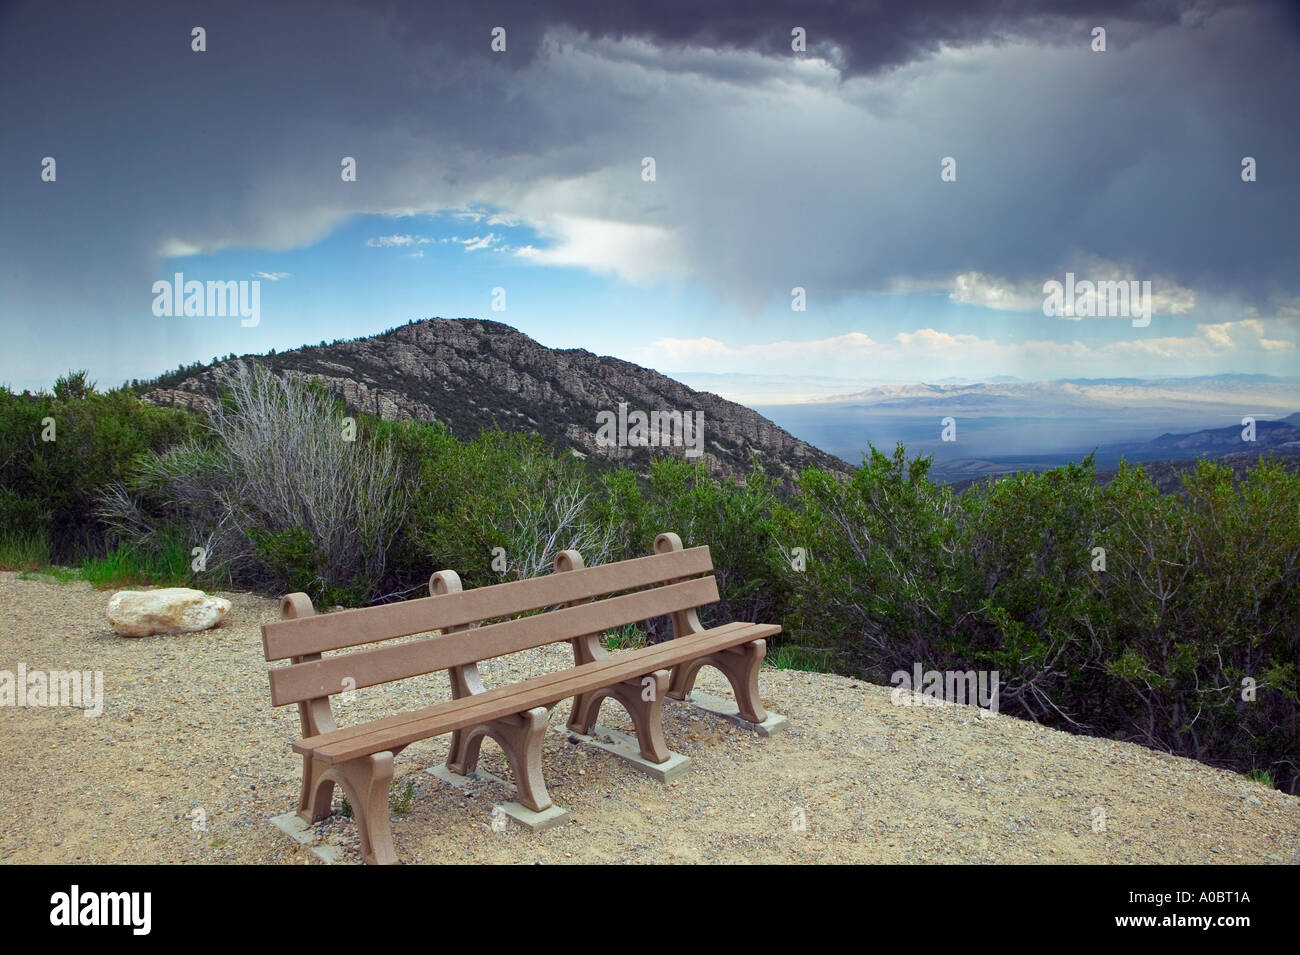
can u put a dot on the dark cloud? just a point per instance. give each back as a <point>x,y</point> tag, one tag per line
<point>768,173</point>
<point>861,37</point>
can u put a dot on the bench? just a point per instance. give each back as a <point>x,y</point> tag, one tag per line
<point>579,604</point>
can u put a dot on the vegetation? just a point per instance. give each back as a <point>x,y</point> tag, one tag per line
<point>58,451</point>
<point>284,492</point>
<point>1169,620</point>
<point>399,803</point>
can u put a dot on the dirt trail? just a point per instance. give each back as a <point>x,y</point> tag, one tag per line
<point>187,724</point>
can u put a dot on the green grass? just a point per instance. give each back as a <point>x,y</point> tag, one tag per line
<point>402,802</point>
<point>24,552</point>
<point>124,567</point>
<point>29,554</point>
<point>52,574</point>
<point>169,567</point>
<point>1261,776</point>
<point>790,657</point>
<point>399,803</point>
<point>627,637</point>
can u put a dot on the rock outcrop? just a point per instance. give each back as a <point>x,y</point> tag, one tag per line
<point>143,613</point>
<point>474,375</point>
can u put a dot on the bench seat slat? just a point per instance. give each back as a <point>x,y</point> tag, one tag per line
<point>389,722</point>
<point>397,661</point>
<point>404,729</point>
<point>349,628</point>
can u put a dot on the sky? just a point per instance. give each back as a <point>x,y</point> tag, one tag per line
<point>919,171</point>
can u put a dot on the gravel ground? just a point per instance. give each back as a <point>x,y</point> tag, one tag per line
<point>187,723</point>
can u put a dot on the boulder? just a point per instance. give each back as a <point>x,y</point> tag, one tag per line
<point>142,613</point>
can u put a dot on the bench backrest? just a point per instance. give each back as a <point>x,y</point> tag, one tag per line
<point>667,582</point>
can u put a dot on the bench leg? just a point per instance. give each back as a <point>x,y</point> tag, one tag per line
<point>463,757</point>
<point>646,714</point>
<point>520,736</point>
<point>740,665</point>
<point>317,798</point>
<point>367,781</point>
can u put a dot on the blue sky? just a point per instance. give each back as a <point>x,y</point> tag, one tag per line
<point>774,169</point>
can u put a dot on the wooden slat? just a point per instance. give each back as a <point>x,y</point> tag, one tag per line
<point>539,691</point>
<point>398,719</point>
<point>349,628</point>
<point>407,728</point>
<point>369,667</point>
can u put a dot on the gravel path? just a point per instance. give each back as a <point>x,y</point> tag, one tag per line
<point>187,723</point>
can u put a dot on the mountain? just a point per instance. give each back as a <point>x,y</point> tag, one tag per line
<point>1167,476</point>
<point>1029,425</point>
<point>1165,459</point>
<point>1257,395</point>
<point>1282,435</point>
<point>474,375</point>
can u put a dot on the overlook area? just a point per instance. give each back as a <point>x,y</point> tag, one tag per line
<point>186,725</point>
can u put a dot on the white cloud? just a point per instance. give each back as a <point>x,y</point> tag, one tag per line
<point>991,291</point>
<point>178,248</point>
<point>976,288</point>
<point>930,353</point>
<point>479,242</point>
<point>635,253</point>
<point>272,276</point>
<point>685,352</point>
<point>396,241</point>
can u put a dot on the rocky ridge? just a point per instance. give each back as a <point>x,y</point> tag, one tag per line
<point>475,375</point>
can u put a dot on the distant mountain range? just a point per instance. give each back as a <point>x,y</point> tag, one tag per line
<point>1166,458</point>
<point>1262,395</point>
<point>475,375</point>
<point>1006,426</point>
<point>1276,435</point>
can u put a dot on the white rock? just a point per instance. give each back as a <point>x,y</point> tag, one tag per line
<point>142,613</point>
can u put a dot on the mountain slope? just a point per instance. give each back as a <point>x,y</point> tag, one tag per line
<point>1282,435</point>
<point>474,375</point>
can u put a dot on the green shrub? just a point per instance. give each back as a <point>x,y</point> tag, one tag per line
<point>884,550</point>
<point>740,522</point>
<point>51,487</point>
<point>281,495</point>
<point>1198,606</point>
<point>506,491</point>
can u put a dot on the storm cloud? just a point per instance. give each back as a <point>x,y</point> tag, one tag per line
<point>774,168</point>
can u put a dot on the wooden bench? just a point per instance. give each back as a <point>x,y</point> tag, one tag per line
<point>590,601</point>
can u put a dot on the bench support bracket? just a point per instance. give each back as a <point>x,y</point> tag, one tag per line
<point>740,665</point>
<point>521,737</point>
<point>643,698</point>
<point>366,782</point>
